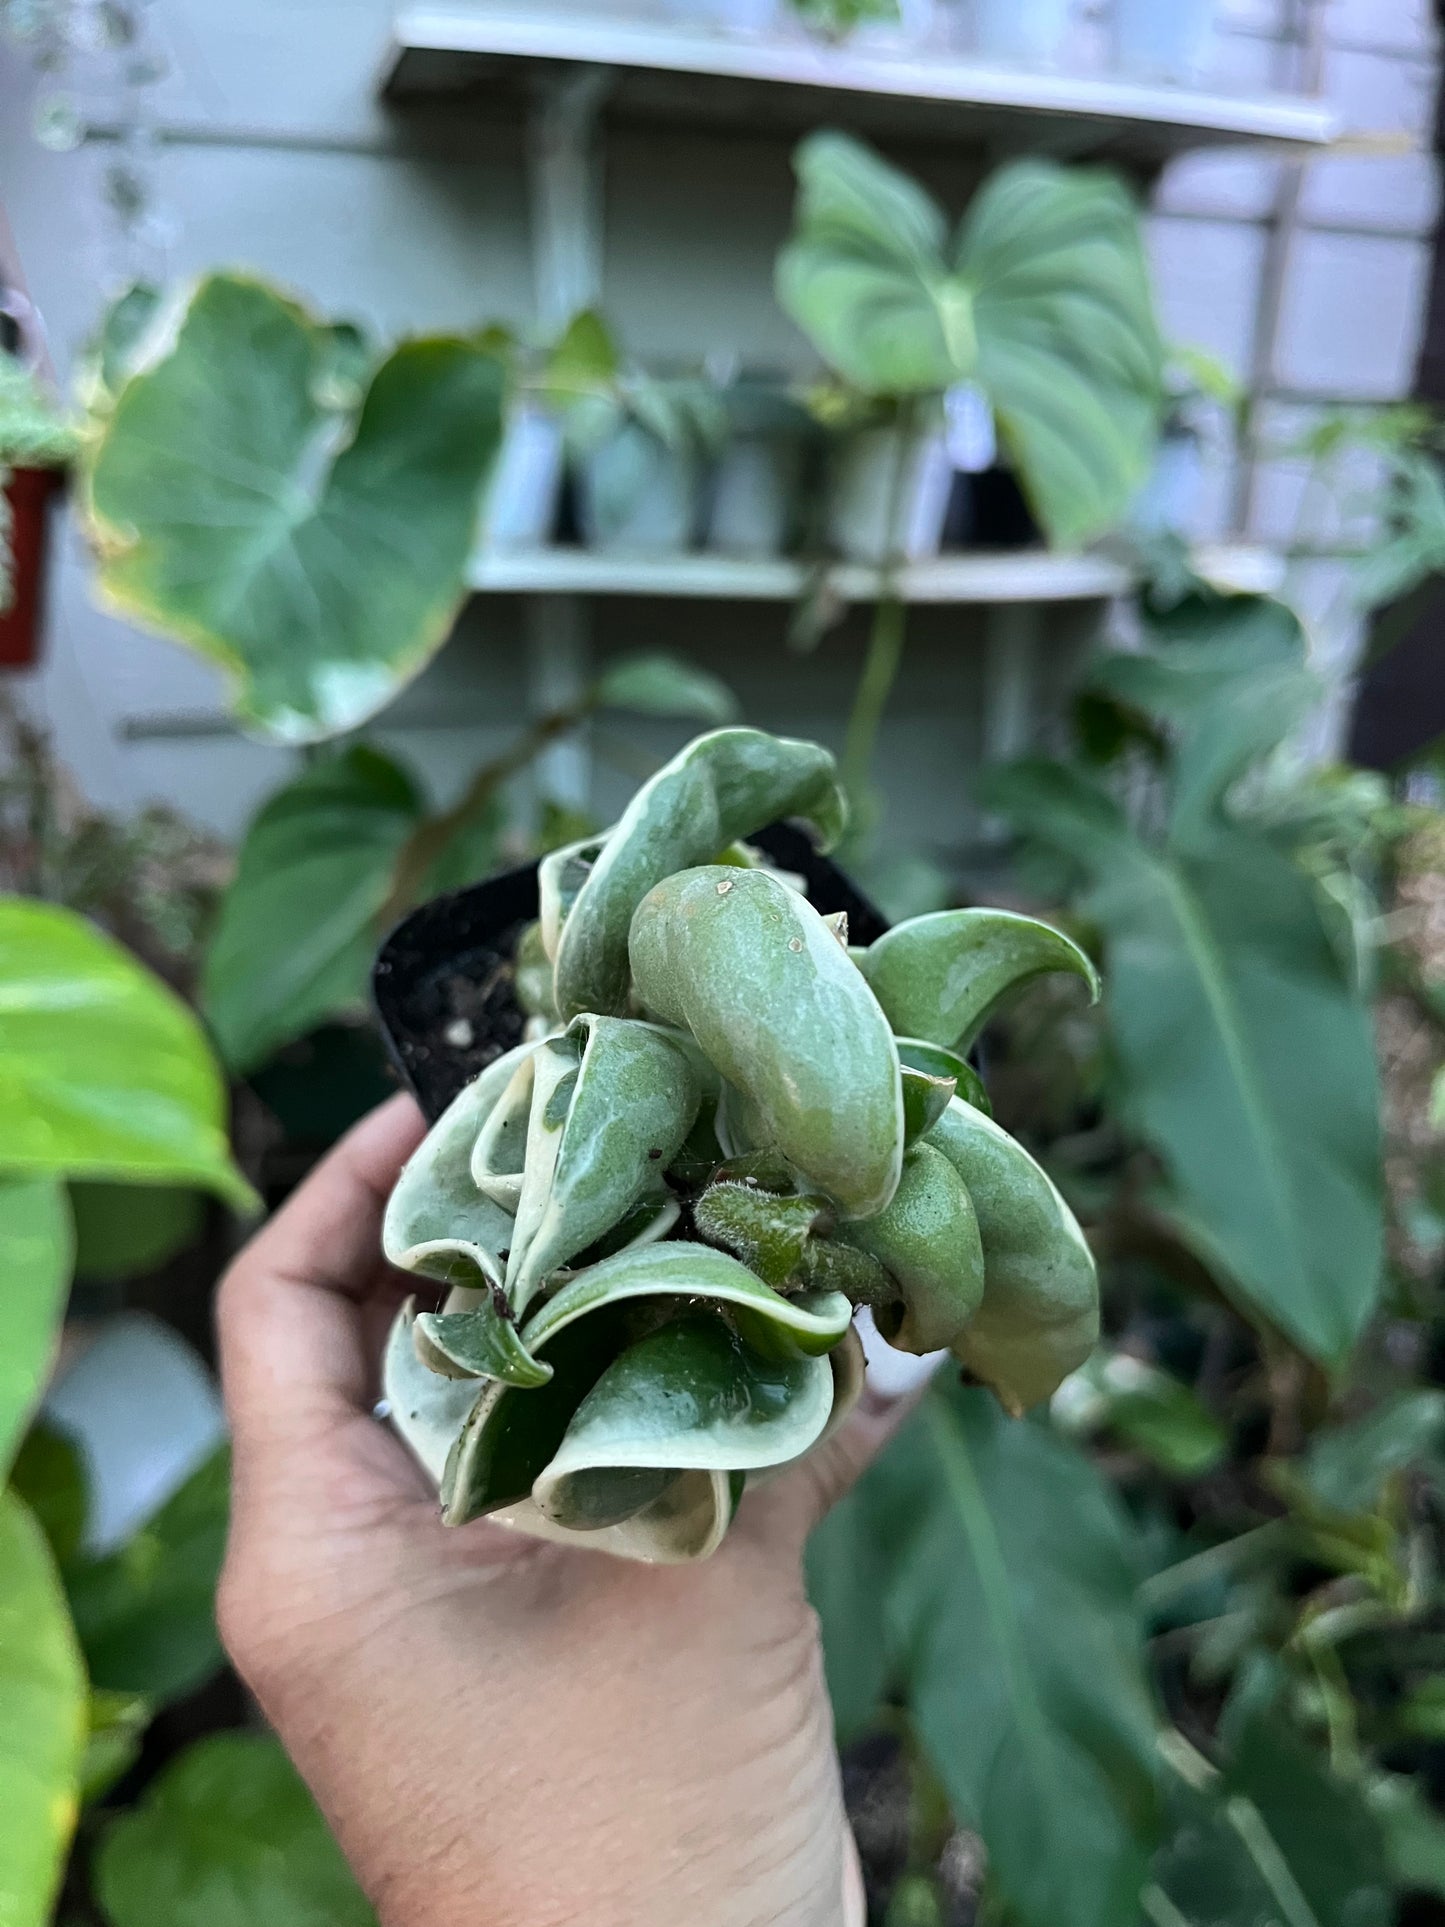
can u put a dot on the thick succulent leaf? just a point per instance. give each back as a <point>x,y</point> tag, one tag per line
<point>628,1113</point>
<point>933,1060</point>
<point>1012,1620</point>
<point>104,1072</point>
<point>437,1223</point>
<point>749,968</point>
<point>764,1230</point>
<point>1039,1318</point>
<point>941,977</point>
<point>555,1065</point>
<point>721,787</point>
<point>226,1836</point>
<point>560,877</point>
<point>427,1410</point>
<point>534,975</point>
<point>42,1721</point>
<point>1249,1058</point>
<point>812,1323</point>
<point>146,1612</point>
<point>499,1156</point>
<point>690,1397</point>
<point>297,929</point>
<point>316,551</point>
<point>925,1098</point>
<point>482,1342</point>
<point>687,1523</point>
<point>1069,351</point>
<point>865,276</point>
<point>35,1249</point>
<point>927,1239</point>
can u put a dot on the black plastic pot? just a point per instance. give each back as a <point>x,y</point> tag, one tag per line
<point>442,983</point>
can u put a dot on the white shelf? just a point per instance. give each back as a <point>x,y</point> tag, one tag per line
<point>789,82</point>
<point>984,579</point>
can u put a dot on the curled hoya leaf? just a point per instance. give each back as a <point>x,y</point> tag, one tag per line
<point>926,1097</point>
<point>482,1342</point>
<point>612,1103</point>
<point>927,1240</point>
<point>500,1152</point>
<point>532,975</point>
<point>690,1397</point>
<point>932,1060</point>
<point>723,786</point>
<point>940,977</point>
<point>437,1223</point>
<point>1039,1319</point>
<point>766,1231</point>
<point>428,1412</point>
<point>752,972</point>
<point>560,876</point>
<point>680,1269</point>
<point>687,1523</point>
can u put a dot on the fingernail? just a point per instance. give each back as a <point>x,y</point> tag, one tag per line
<point>893,1374</point>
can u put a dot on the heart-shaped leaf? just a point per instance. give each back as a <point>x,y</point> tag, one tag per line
<point>927,1240</point>
<point>316,551</point>
<point>427,1410</point>
<point>1039,1318</point>
<point>104,1072</point>
<point>723,786</point>
<point>478,1343</point>
<point>941,977</point>
<point>749,969</point>
<point>42,1721</point>
<point>35,1250</point>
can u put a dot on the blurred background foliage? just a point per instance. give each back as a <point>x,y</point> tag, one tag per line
<point>1171,1651</point>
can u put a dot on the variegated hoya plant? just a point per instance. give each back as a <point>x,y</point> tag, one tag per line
<point>725,1133</point>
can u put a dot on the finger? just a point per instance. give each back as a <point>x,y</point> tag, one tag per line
<point>289,1312</point>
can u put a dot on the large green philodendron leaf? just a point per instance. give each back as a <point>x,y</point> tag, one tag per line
<point>927,1238</point>
<point>42,1721</point>
<point>35,1251</point>
<point>1069,351</point>
<point>245,507</point>
<point>1039,1319</point>
<point>227,1836</point>
<point>865,274</point>
<point>754,974</point>
<point>297,930</point>
<point>630,1105</point>
<point>941,977</point>
<point>1009,1603</point>
<point>721,787</point>
<point>1249,1060</point>
<point>1044,302</point>
<point>103,1070</point>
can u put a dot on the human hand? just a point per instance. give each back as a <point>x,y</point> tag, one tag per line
<point>504,1732</point>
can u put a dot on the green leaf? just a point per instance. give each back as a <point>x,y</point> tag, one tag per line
<point>227,1836</point>
<point>49,1475</point>
<point>1347,1466</point>
<point>752,972</point>
<point>124,1231</point>
<point>35,1250</point>
<point>721,787</point>
<point>1219,1867</point>
<point>298,925</point>
<point>1249,1062</point>
<point>927,1240</point>
<point>765,1230</point>
<point>934,1061</point>
<point>103,1070</point>
<point>1012,1613</point>
<point>1414,1833</point>
<point>848,1569</point>
<point>42,1721</point>
<point>941,977</point>
<point>427,1410</point>
<point>1039,1319</point>
<point>316,552</point>
<point>1155,1413</point>
<point>1068,347</point>
<point>116,1727</point>
<point>146,1613</point>
<point>665,686</point>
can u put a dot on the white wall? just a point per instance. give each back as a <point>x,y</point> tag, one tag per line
<point>279,157</point>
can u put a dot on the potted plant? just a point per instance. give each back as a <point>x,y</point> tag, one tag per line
<point>36,443</point>
<point>752,500</point>
<point>721,1135</point>
<point>890,478</point>
<point>640,454</point>
<point>1200,422</point>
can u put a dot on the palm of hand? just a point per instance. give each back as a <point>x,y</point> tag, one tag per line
<point>501,1730</point>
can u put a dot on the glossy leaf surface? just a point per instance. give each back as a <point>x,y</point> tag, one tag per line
<point>35,1249</point>
<point>941,977</point>
<point>315,550</point>
<point>927,1240</point>
<point>749,968</point>
<point>721,787</point>
<point>103,1070</point>
<point>42,1721</point>
<point>1039,1318</point>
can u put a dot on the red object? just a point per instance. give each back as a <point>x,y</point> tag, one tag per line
<point>28,493</point>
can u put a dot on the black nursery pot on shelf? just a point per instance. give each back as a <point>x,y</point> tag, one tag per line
<point>442,983</point>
